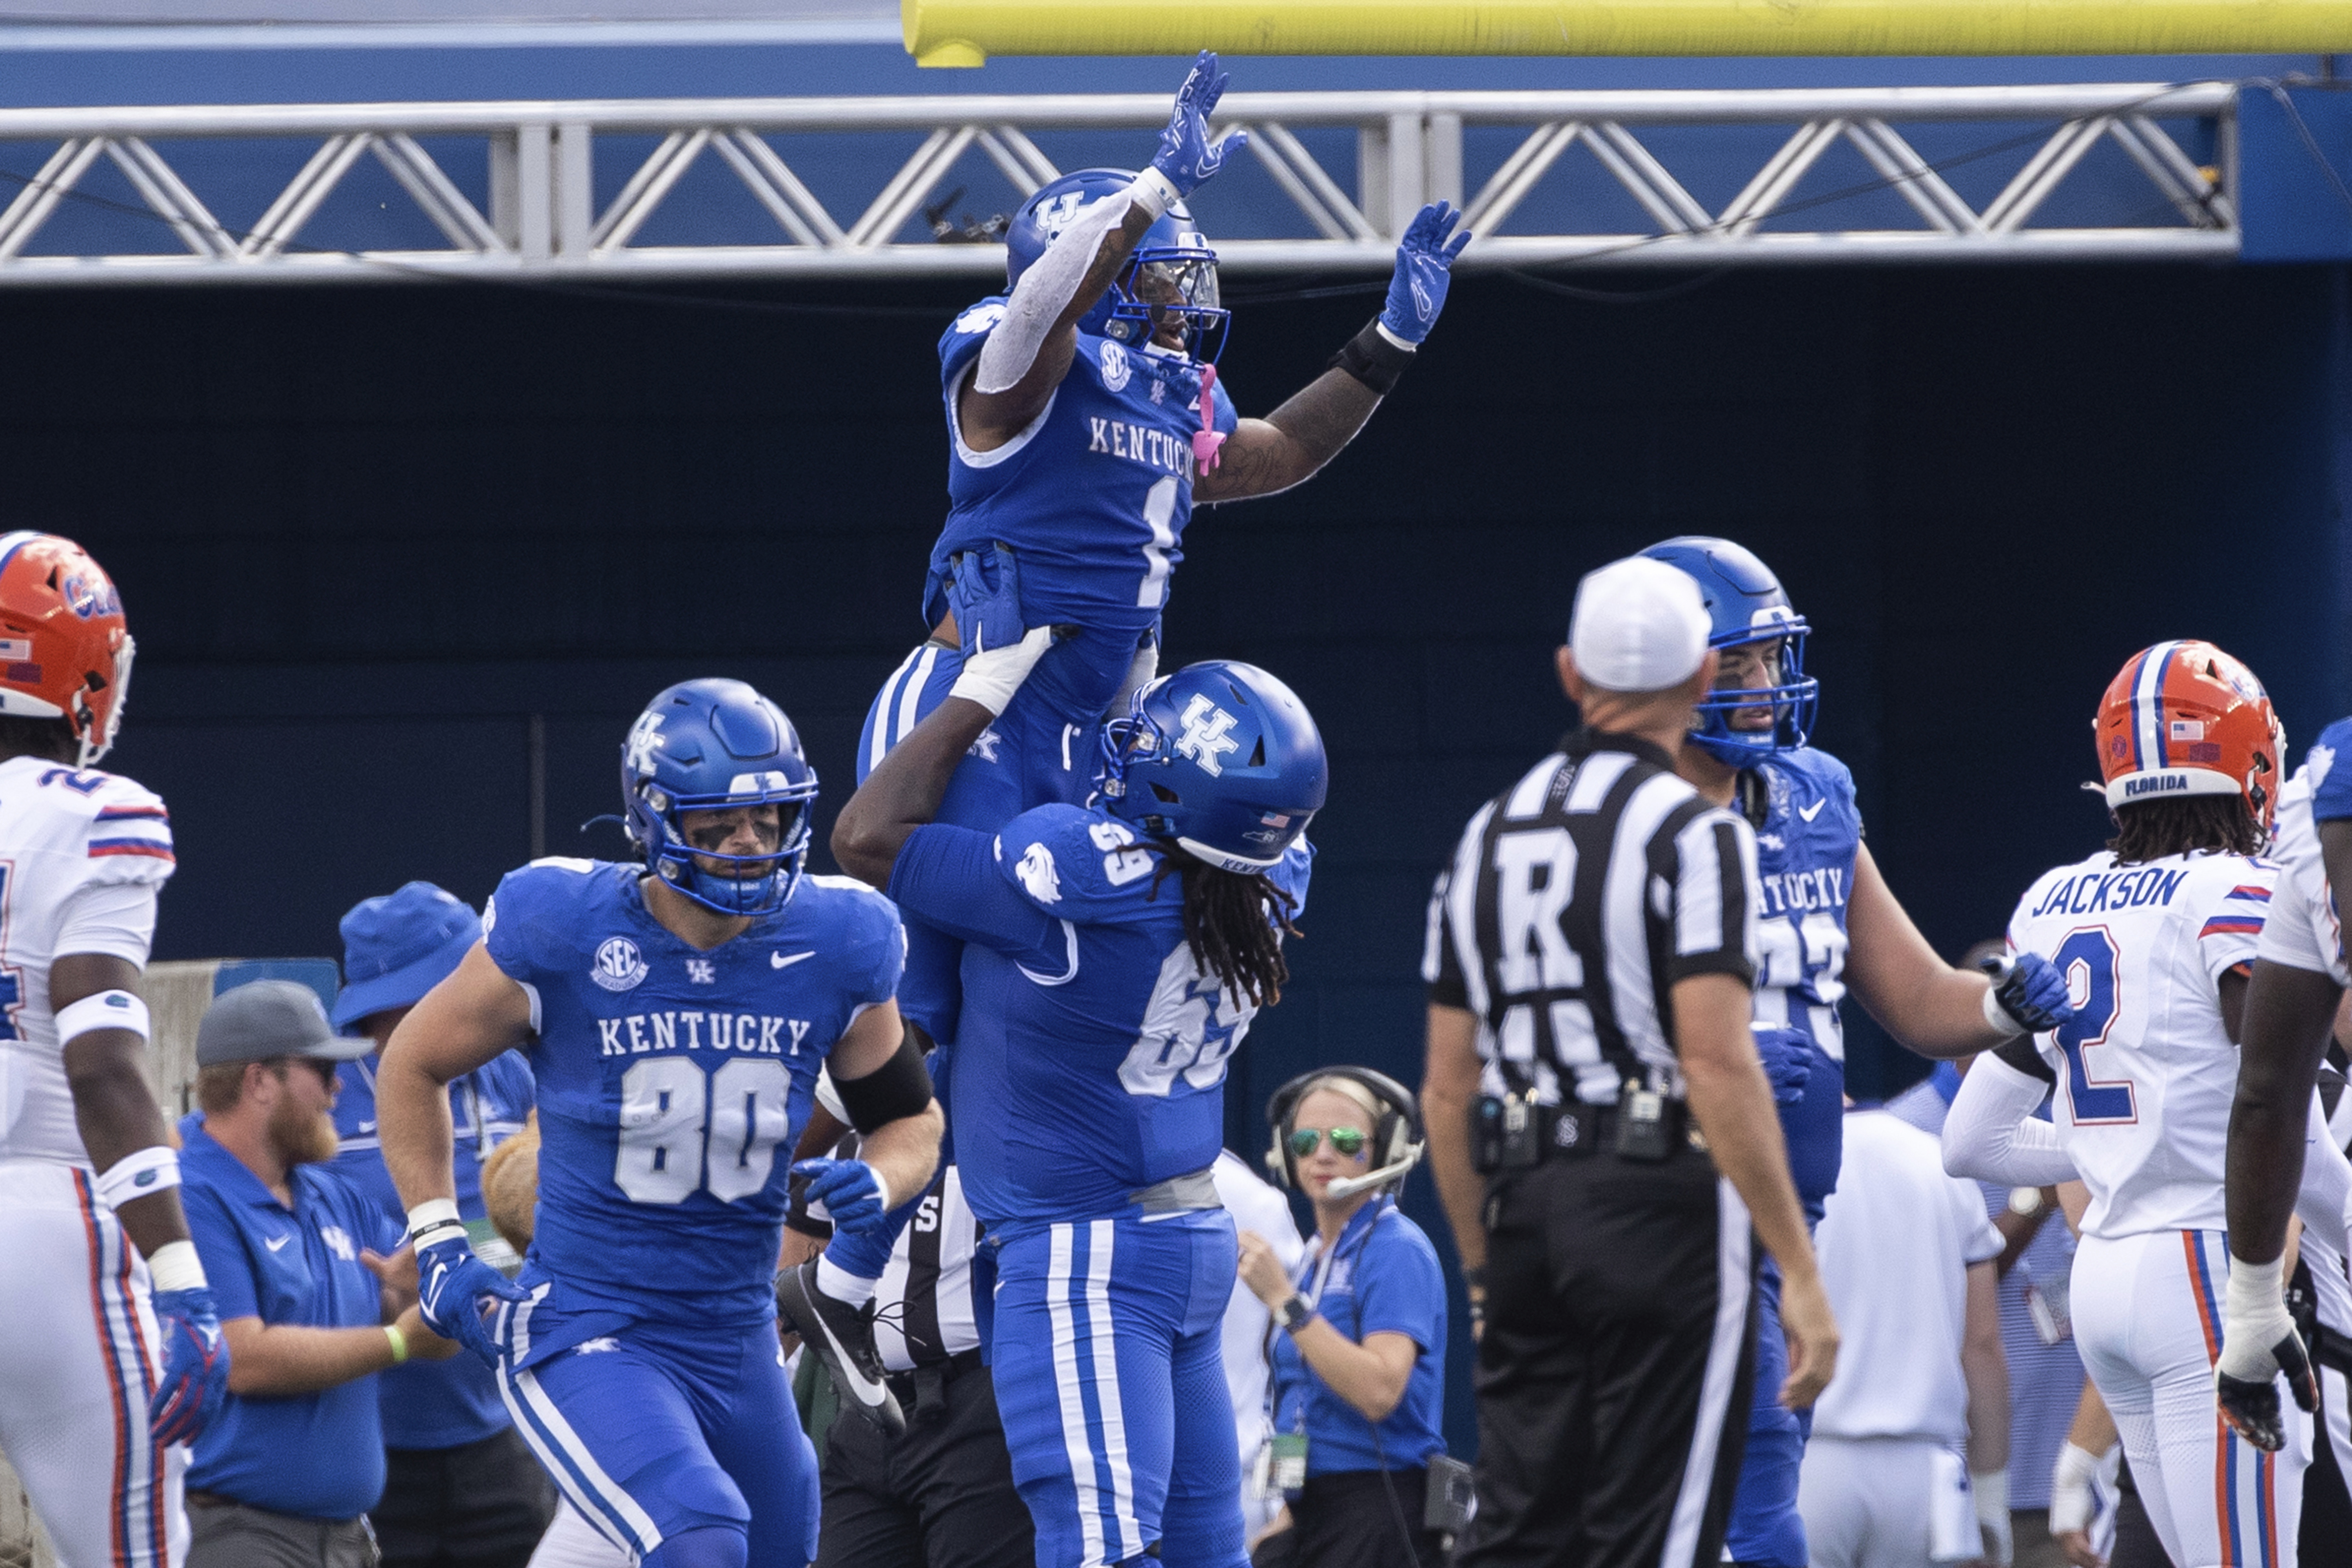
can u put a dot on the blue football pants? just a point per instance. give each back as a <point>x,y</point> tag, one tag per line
<point>682,1445</point>
<point>1111,1383</point>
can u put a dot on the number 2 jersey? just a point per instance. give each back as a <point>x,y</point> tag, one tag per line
<point>82,856</point>
<point>2144,1068</point>
<point>673,1082</point>
<point>1093,496</point>
<point>1092,1058</point>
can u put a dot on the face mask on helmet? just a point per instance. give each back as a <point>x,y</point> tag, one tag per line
<point>717,745</point>
<point>1171,287</point>
<point>732,884</point>
<point>1729,725</point>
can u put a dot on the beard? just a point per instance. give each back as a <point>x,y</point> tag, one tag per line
<point>303,1137</point>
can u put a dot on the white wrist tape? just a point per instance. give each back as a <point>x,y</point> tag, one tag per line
<point>992,676</point>
<point>1997,1017</point>
<point>2070,1488</point>
<point>107,1009</point>
<point>431,1216</point>
<point>1043,292</point>
<point>139,1174</point>
<point>1155,192</point>
<point>175,1267</point>
<point>2254,1318</point>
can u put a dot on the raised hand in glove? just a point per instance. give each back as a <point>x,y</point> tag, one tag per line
<point>851,1191</point>
<point>452,1285</point>
<point>196,1366</point>
<point>1424,265</point>
<point>1187,157</point>
<point>2028,995</point>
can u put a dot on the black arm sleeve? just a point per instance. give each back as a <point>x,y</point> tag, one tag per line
<point>900,1087</point>
<point>2019,1054</point>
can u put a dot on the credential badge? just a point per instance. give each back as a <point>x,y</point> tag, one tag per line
<point>619,967</point>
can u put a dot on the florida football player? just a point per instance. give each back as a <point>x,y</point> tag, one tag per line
<point>110,1350</point>
<point>2298,981</point>
<point>2156,936</point>
<point>1085,420</point>
<point>1827,922</point>
<point>1116,953</point>
<point>676,1014</point>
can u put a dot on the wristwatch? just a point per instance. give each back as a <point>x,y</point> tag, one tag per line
<point>1295,1314</point>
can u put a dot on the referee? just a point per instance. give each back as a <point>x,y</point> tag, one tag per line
<point>1602,1134</point>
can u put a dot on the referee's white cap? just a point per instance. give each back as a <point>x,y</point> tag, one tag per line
<point>1639,625</point>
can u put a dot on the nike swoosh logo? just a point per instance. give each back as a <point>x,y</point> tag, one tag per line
<point>1815,811</point>
<point>367,1126</point>
<point>277,1243</point>
<point>862,1388</point>
<point>786,960</point>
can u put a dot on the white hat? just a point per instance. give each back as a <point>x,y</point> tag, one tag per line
<point>1640,625</point>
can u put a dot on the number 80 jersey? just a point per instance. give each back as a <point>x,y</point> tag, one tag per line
<point>673,1082</point>
<point>2144,1068</point>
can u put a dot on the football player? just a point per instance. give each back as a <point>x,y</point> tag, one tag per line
<point>676,1014</point>
<point>110,1354</point>
<point>2156,936</point>
<point>1827,922</point>
<point>2298,981</point>
<point>1115,955</point>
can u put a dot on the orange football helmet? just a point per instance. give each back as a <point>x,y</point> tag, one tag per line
<point>2185,718</point>
<point>64,647</point>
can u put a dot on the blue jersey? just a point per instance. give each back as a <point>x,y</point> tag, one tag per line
<point>673,1082</point>
<point>1805,850</point>
<point>1094,494</point>
<point>1091,1061</point>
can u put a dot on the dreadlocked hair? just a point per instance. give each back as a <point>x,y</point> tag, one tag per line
<point>2152,830</point>
<point>1234,923</point>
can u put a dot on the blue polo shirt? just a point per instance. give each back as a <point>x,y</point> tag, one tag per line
<point>313,1456</point>
<point>1382,1278</point>
<point>437,1404</point>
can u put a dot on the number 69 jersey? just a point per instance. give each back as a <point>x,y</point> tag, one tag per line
<point>2144,1068</point>
<point>673,1082</point>
<point>1092,1058</point>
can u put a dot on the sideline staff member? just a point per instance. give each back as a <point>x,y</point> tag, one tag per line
<point>1590,953</point>
<point>1358,1376</point>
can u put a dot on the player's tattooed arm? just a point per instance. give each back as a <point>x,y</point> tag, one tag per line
<point>113,1106</point>
<point>990,419</point>
<point>1287,446</point>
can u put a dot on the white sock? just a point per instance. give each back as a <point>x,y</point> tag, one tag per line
<point>842,1285</point>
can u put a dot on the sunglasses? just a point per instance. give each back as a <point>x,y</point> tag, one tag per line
<point>324,1069</point>
<point>1347,1141</point>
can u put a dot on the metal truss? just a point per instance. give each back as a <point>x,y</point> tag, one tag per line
<point>511,186</point>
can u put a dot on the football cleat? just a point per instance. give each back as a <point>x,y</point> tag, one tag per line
<point>843,1336</point>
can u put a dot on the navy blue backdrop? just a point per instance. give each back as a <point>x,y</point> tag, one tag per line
<point>402,561</point>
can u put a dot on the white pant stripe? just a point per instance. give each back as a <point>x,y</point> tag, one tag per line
<point>1732,1263</point>
<point>910,695</point>
<point>591,1511</point>
<point>599,1499</point>
<point>1129,1542</point>
<point>1075,1445</point>
<point>878,736</point>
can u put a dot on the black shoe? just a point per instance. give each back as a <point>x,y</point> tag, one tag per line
<point>843,1336</point>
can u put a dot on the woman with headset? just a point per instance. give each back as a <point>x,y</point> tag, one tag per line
<point>1359,1369</point>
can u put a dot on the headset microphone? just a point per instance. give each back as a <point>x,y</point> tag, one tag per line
<point>1348,1186</point>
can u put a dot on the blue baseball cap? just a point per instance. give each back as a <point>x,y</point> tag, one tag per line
<point>398,946</point>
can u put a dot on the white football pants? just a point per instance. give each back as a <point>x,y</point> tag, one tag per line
<point>1870,1503</point>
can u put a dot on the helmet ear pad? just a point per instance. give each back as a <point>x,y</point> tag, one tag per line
<point>1394,1131</point>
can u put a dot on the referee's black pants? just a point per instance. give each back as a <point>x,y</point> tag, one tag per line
<point>939,1496</point>
<point>1614,1367</point>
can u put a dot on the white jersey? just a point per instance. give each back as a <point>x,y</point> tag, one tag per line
<point>1896,1248</point>
<point>2145,1070</point>
<point>1256,1206</point>
<point>82,854</point>
<point>2303,932</point>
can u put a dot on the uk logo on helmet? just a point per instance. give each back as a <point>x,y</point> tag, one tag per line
<point>619,967</point>
<point>1207,734</point>
<point>644,739</point>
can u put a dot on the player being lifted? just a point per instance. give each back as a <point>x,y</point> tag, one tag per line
<point>676,1014</point>
<point>1827,922</point>
<point>2156,937</point>
<point>1118,953</point>
<point>109,1350</point>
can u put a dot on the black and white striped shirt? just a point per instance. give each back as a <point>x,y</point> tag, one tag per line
<point>923,1310</point>
<point>1574,903</point>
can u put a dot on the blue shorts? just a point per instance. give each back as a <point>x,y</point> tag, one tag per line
<point>1111,1383</point>
<point>1044,749</point>
<point>652,1429</point>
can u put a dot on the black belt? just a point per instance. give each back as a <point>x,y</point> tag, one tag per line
<point>2331,1349</point>
<point>1574,1130</point>
<point>923,1393</point>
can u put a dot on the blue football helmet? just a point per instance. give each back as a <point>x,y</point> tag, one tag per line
<point>706,746</point>
<point>1173,269</point>
<point>1219,757</point>
<point>1747,605</point>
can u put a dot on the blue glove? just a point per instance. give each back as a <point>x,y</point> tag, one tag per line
<point>985,593</point>
<point>2031,993</point>
<point>451,1285</point>
<point>1788,1060</point>
<point>196,1366</point>
<point>1424,265</point>
<point>1186,156</point>
<point>850,1191</point>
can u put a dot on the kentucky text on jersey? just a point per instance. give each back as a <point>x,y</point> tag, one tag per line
<point>2096,891</point>
<point>1140,443</point>
<point>762,1034</point>
<point>1823,888</point>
